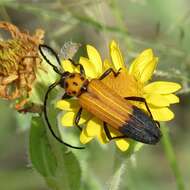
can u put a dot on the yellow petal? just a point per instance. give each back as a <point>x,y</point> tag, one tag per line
<point>122,144</point>
<point>143,58</point>
<point>84,138</point>
<point>147,73</point>
<point>67,120</point>
<point>161,87</point>
<point>162,114</point>
<point>143,66</point>
<point>67,66</point>
<point>107,64</point>
<point>116,56</point>
<point>94,127</point>
<point>89,68</point>
<point>67,105</point>
<point>95,58</point>
<point>172,98</point>
<point>157,100</point>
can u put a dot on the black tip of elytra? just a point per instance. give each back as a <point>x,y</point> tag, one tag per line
<point>141,127</point>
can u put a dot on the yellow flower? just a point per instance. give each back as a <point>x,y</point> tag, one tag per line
<point>130,82</point>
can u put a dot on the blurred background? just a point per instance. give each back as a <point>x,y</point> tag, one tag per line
<point>161,25</point>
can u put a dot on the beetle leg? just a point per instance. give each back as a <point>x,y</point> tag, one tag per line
<point>77,119</point>
<point>109,135</point>
<point>141,99</point>
<point>82,71</point>
<point>107,72</point>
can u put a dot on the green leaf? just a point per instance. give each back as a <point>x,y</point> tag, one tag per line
<point>51,159</point>
<point>73,170</point>
<point>41,154</point>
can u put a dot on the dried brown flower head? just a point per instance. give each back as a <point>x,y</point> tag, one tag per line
<point>19,60</point>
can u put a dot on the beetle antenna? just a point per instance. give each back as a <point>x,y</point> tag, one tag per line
<point>52,86</point>
<point>41,46</point>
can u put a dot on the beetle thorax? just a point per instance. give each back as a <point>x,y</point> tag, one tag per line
<point>74,84</point>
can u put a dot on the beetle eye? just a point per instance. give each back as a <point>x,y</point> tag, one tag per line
<point>62,82</point>
<point>66,85</point>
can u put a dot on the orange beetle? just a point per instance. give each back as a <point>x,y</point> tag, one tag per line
<point>100,100</point>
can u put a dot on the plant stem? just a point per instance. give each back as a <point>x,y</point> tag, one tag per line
<point>170,154</point>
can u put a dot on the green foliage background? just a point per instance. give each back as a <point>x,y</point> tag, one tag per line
<point>161,25</point>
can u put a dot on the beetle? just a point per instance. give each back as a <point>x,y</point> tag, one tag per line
<point>100,100</point>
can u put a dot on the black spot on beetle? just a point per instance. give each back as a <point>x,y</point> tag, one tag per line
<point>74,92</point>
<point>72,75</point>
<point>82,78</point>
<point>75,83</point>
